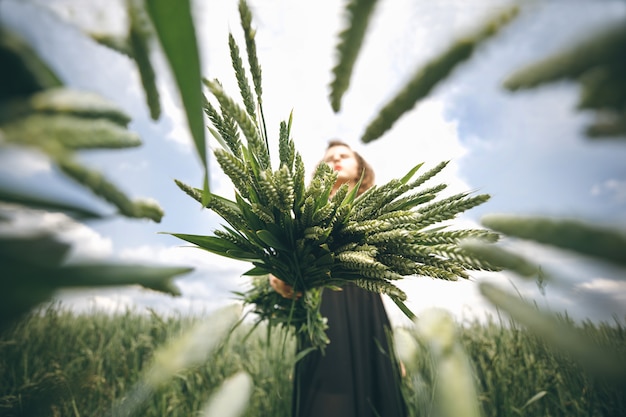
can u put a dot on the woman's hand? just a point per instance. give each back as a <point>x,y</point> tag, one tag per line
<point>283,288</point>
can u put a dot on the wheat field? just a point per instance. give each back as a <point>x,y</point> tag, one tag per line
<point>59,363</point>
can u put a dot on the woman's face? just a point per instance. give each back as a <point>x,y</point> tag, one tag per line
<point>341,159</point>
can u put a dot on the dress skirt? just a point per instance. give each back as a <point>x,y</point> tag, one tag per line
<point>358,375</point>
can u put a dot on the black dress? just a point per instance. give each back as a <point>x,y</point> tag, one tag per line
<point>358,375</point>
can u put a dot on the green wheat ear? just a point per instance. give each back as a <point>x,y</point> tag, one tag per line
<point>426,78</point>
<point>235,169</point>
<point>70,132</point>
<point>242,80</point>
<point>140,34</point>
<point>64,101</point>
<point>100,186</point>
<point>599,50</point>
<point>596,63</point>
<point>227,133</point>
<point>256,144</point>
<point>358,13</point>
<point>601,242</point>
<point>249,33</point>
<point>286,147</point>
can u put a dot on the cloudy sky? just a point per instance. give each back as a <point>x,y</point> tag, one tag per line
<point>524,149</point>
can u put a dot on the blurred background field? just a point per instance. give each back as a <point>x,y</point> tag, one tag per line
<point>58,363</point>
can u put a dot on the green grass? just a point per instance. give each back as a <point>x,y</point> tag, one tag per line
<point>58,363</point>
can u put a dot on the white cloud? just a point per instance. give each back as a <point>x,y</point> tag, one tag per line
<point>461,298</point>
<point>171,107</point>
<point>133,167</point>
<point>86,243</point>
<point>131,298</point>
<point>424,136</point>
<point>213,276</point>
<point>181,254</point>
<point>95,16</point>
<point>612,190</point>
<point>613,289</point>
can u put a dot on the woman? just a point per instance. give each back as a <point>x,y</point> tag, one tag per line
<point>357,376</point>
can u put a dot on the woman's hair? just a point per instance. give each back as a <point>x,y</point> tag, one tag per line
<point>363,167</point>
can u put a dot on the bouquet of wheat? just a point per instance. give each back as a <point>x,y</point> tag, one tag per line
<point>297,232</point>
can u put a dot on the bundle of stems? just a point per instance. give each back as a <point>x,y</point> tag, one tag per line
<point>307,238</point>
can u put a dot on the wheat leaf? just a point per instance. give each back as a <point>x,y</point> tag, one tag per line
<point>158,278</point>
<point>211,243</point>
<point>410,174</point>
<point>271,240</point>
<point>175,28</point>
